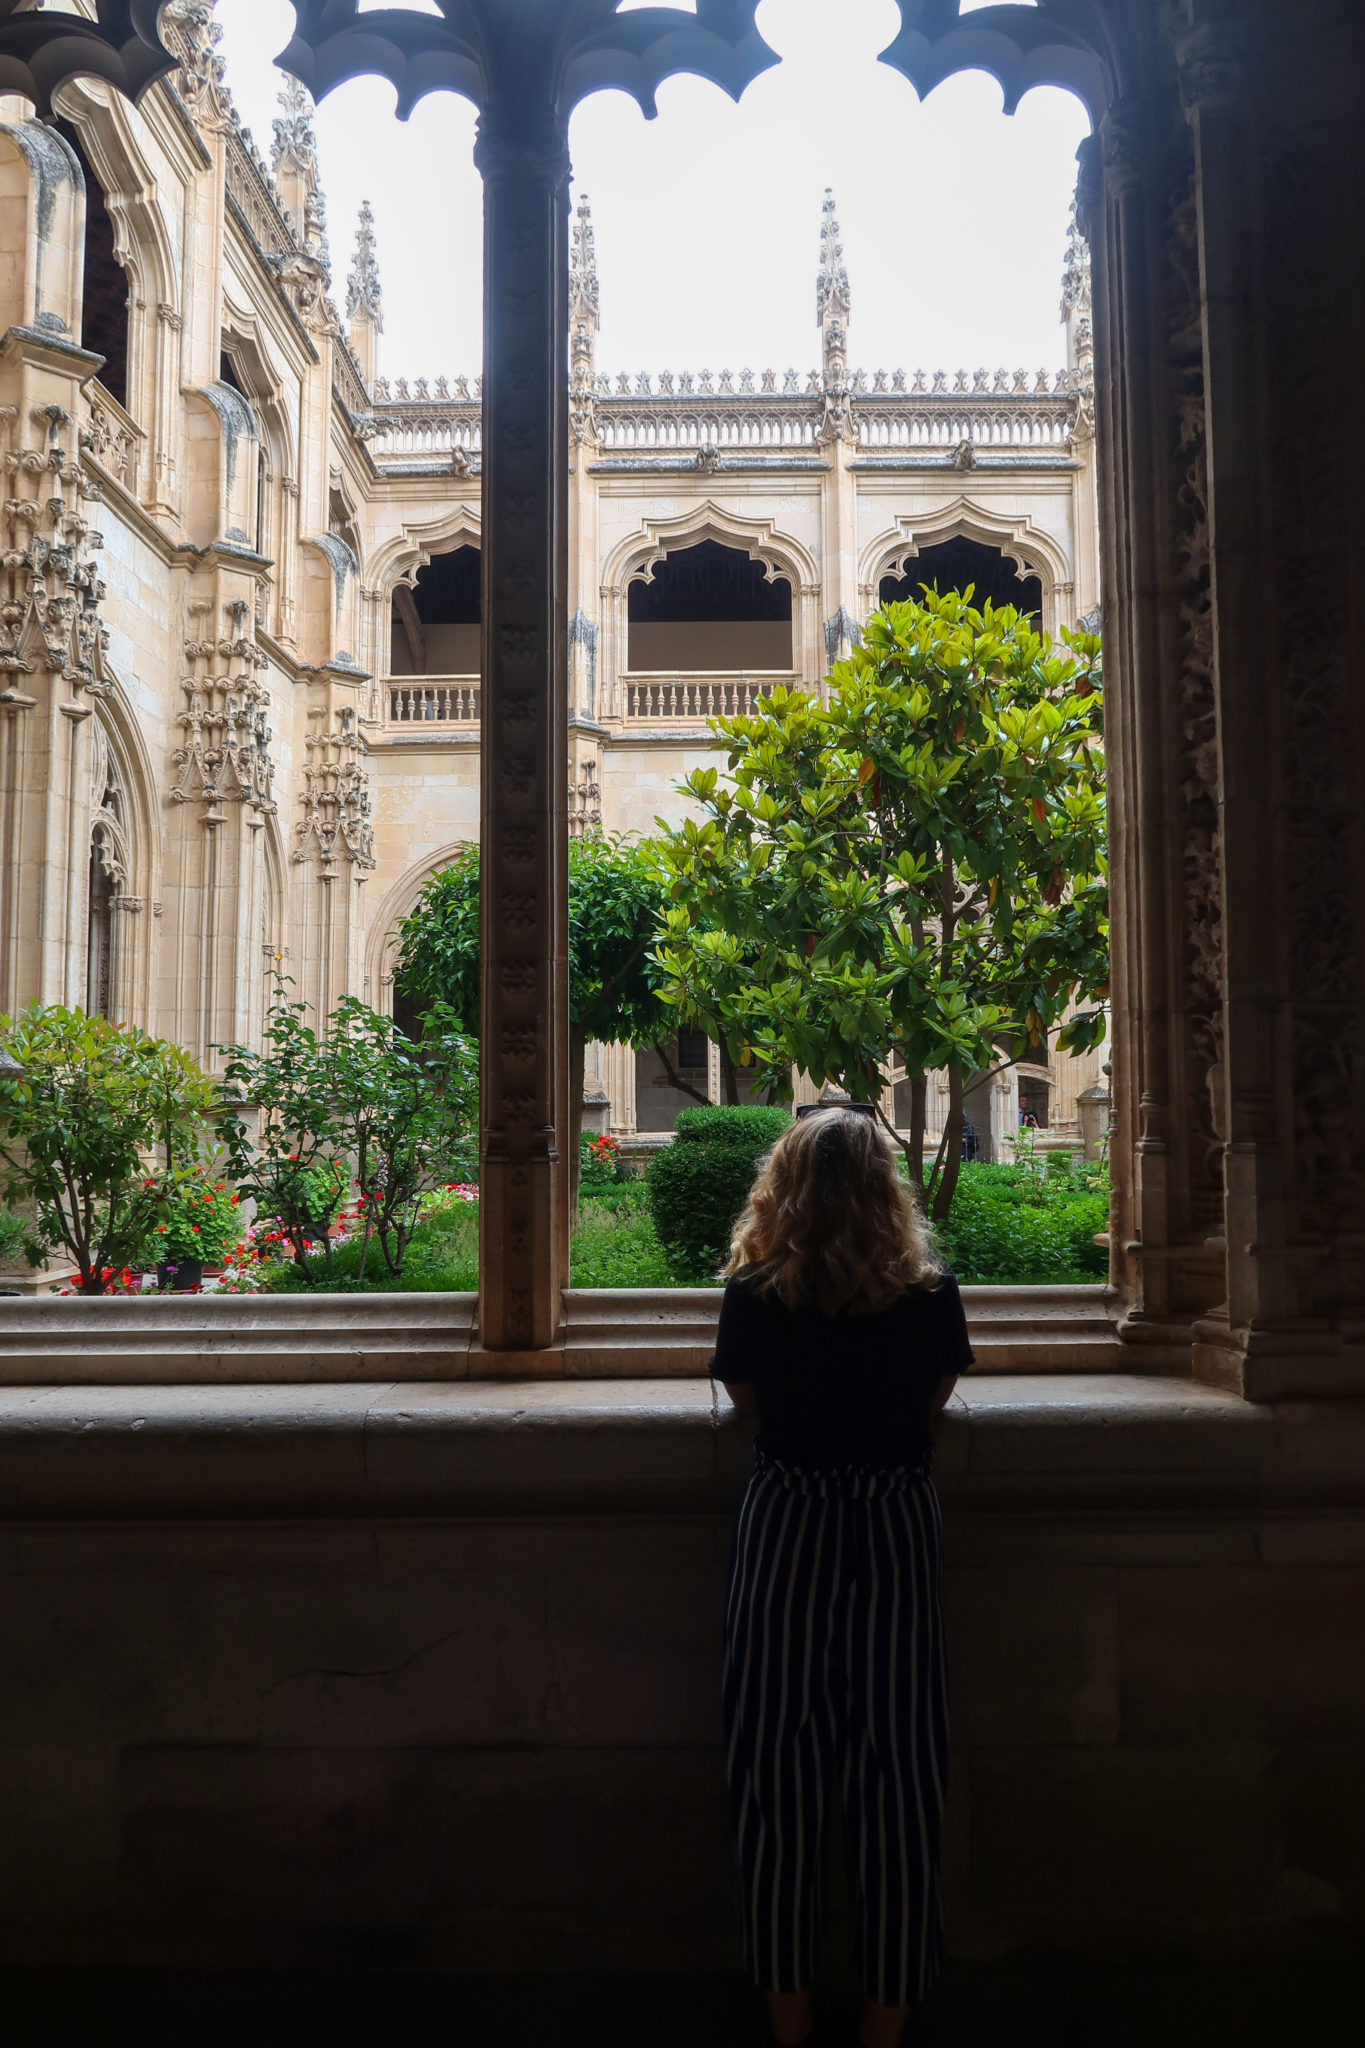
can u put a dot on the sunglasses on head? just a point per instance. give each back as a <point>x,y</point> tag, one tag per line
<point>819,1108</point>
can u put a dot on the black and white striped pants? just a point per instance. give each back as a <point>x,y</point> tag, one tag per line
<point>835,1652</point>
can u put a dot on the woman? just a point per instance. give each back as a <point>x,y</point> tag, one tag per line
<point>842,1332</point>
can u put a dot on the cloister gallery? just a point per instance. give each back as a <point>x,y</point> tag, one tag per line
<point>395,1614</point>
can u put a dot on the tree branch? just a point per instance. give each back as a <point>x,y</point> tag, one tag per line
<point>675,1080</point>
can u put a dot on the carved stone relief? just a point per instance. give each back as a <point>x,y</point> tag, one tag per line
<point>1199,828</point>
<point>49,615</point>
<point>224,754</point>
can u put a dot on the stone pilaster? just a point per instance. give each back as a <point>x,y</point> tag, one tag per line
<point>523,1213</point>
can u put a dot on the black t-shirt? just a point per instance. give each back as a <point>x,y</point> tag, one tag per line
<point>842,1390</point>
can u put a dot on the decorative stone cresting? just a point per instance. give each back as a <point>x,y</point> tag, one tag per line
<point>224,756</point>
<point>49,618</point>
<point>337,821</point>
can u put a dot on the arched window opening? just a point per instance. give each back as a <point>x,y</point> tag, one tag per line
<point>952,565</point>
<point>99,969</point>
<point>106,883</point>
<point>435,622</point>
<point>1035,1090</point>
<point>104,308</point>
<point>709,608</point>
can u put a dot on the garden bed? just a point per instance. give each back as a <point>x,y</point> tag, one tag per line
<point>1010,1226</point>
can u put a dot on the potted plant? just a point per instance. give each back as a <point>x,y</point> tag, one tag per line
<point>196,1224</point>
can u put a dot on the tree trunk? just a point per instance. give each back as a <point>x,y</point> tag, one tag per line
<point>919,1098</point>
<point>952,1153</point>
<point>578,1046</point>
<point>729,1079</point>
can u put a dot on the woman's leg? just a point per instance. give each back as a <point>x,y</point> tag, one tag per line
<point>895,1758</point>
<point>777,1620</point>
<point>793,2016</point>
<point>882,2026</point>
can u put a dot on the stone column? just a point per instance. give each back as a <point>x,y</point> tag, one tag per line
<point>523,1217</point>
<point>1280,191</point>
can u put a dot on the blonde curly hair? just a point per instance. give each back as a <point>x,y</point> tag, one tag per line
<point>831,1223</point>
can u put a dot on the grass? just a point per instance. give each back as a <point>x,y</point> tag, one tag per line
<point>1009,1225</point>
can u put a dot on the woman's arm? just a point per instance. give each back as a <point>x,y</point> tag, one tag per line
<point>943,1394</point>
<point>743,1398</point>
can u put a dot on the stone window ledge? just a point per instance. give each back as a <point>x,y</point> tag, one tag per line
<point>609,1333</point>
<point>1102,1443</point>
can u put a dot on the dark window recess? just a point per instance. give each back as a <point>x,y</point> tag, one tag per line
<point>448,589</point>
<point>227,374</point>
<point>435,625</point>
<point>952,565</point>
<point>104,313</point>
<point>1033,1102</point>
<point>711,583</point>
<point>692,1050</point>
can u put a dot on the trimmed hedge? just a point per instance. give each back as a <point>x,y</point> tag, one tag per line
<point>699,1185</point>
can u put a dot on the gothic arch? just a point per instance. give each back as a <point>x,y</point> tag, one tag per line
<point>781,554</point>
<point>1033,552</point>
<point>398,559</point>
<point>396,904</point>
<point>143,246</point>
<point>127,848</point>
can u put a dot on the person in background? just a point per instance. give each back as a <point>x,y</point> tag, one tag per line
<point>845,1336</point>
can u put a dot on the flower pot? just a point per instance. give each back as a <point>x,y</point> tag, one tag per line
<point>180,1276</point>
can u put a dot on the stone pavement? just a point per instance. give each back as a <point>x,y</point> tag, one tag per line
<point>1304,2004</point>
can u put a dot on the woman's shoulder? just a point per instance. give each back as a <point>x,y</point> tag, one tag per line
<point>937,1291</point>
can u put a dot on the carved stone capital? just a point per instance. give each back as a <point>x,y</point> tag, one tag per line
<point>1212,68</point>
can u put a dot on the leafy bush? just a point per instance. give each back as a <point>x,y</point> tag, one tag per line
<point>699,1185</point>
<point>442,1258</point>
<point>14,1236</point>
<point>615,1244</point>
<point>1013,1224</point>
<point>599,1166</point>
<point>90,1120</point>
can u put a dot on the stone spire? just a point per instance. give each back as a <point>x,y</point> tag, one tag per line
<point>294,158</point>
<point>362,287</point>
<point>584,321</point>
<point>364,300</point>
<point>832,308</point>
<point>583,299</point>
<point>1078,319</point>
<point>831,290</point>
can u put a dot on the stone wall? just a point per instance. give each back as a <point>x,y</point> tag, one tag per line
<point>429,1676</point>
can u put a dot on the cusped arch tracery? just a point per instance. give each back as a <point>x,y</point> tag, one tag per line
<point>1019,540</point>
<point>781,554</point>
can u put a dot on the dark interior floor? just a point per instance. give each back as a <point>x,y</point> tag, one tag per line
<point>1054,2005</point>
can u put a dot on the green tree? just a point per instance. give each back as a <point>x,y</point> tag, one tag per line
<point>915,868</point>
<point>284,1130</point>
<point>616,899</point>
<point>407,1116</point>
<point>93,1120</point>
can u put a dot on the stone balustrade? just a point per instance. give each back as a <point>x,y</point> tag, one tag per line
<point>692,699</point>
<point>419,420</point>
<point>440,701</point>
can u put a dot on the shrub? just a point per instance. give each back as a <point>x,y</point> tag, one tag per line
<point>1012,1224</point>
<point>615,1245</point>
<point>599,1166</point>
<point>699,1185</point>
<point>90,1119</point>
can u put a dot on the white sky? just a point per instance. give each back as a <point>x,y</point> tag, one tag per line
<point>953,216</point>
